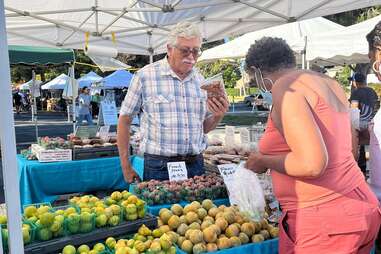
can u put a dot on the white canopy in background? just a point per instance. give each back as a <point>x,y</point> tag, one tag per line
<point>141,26</point>
<point>343,46</point>
<point>293,33</point>
<point>59,82</point>
<point>372,79</point>
<point>28,85</point>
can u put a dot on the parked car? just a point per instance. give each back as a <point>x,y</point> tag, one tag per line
<point>250,99</point>
<point>256,100</point>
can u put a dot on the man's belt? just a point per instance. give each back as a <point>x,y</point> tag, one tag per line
<point>188,158</point>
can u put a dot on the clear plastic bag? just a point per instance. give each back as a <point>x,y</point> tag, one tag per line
<point>246,192</point>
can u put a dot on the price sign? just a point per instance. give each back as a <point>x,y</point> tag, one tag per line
<point>86,131</point>
<point>109,113</point>
<point>227,171</point>
<point>177,171</point>
<point>104,132</point>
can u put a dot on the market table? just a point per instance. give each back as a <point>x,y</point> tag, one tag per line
<point>44,182</point>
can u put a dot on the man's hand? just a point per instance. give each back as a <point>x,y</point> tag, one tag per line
<point>130,175</point>
<point>218,106</point>
<point>254,163</point>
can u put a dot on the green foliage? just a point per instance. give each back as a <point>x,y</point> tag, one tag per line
<point>235,91</point>
<point>377,88</point>
<point>342,78</point>
<point>230,71</point>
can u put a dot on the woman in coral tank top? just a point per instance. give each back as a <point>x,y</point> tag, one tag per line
<point>327,206</point>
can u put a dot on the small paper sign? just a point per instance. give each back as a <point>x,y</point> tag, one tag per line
<point>177,171</point>
<point>104,132</point>
<point>86,131</point>
<point>227,171</point>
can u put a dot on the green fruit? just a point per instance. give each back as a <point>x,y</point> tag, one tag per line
<point>44,234</point>
<point>55,226</point>
<point>141,213</point>
<point>69,249</point>
<point>110,242</point>
<point>30,211</point>
<point>131,217</point>
<point>70,210</point>
<point>101,220</point>
<point>86,217</point>
<point>26,235</point>
<point>157,233</point>
<point>114,221</point>
<point>46,219</point>
<point>86,227</point>
<point>110,201</point>
<point>32,219</point>
<point>42,209</point>
<point>73,228</point>
<point>3,219</point>
<point>131,209</point>
<point>83,248</point>
<point>59,218</point>
<point>165,242</point>
<point>99,247</point>
<point>74,218</point>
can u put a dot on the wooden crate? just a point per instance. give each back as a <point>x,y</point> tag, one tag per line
<point>44,155</point>
<point>95,152</point>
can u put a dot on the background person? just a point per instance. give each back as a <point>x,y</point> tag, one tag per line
<point>172,108</point>
<point>327,207</point>
<point>84,100</point>
<point>365,97</point>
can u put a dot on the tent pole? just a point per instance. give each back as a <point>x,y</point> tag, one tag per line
<point>8,147</point>
<point>34,106</point>
<point>73,87</point>
<point>151,58</point>
<point>308,65</point>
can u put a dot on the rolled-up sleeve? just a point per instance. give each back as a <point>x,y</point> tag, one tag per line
<point>133,101</point>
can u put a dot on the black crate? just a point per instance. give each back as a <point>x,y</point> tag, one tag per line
<point>124,228</point>
<point>95,152</point>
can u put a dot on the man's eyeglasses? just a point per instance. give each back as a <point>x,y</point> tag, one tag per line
<point>196,52</point>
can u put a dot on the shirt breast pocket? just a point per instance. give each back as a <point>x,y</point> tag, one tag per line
<point>160,109</point>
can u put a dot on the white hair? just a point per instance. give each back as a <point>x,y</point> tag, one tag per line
<point>184,29</point>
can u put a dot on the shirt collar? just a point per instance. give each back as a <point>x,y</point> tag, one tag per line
<point>166,70</point>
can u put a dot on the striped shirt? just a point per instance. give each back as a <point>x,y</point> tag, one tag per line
<point>172,111</point>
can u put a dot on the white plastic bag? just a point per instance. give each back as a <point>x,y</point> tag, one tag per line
<point>246,192</point>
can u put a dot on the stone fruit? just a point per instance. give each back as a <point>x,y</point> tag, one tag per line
<point>213,212</point>
<point>243,238</point>
<point>207,204</point>
<point>173,236</point>
<point>182,229</point>
<point>132,199</point>
<point>155,246</point>
<point>209,218</point>
<point>174,222</point>
<point>229,217</point>
<point>274,232</point>
<point>101,220</point>
<point>224,243</point>
<point>165,216</point>
<point>209,235</point>
<point>110,242</point>
<point>115,209</point>
<point>165,242</point>
<point>191,217</point>
<point>194,225</point>
<point>235,241</point>
<point>55,226</point>
<point>43,209</point>
<point>30,211</point>
<point>26,235</point>
<point>257,238</point>
<point>44,234</point>
<point>196,236</point>
<point>264,224</point>
<point>139,246</point>
<point>157,233</point>
<point>99,247</point>
<point>46,219</point>
<point>221,223</point>
<point>199,248</point>
<point>165,229</point>
<point>187,246</point>
<point>69,249</point>
<point>116,195</point>
<point>202,213</point>
<point>232,230</point>
<point>248,228</point>
<point>180,240</point>
<point>114,220</point>
<point>83,248</point>
<point>206,224</point>
<point>265,234</point>
<point>216,229</point>
<point>86,217</point>
<point>144,230</point>
<point>177,209</point>
<point>211,247</point>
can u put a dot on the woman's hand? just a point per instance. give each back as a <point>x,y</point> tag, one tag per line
<point>254,163</point>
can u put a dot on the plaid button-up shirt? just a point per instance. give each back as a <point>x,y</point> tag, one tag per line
<point>172,111</point>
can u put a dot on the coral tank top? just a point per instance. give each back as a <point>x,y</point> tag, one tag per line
<point>342,174</point>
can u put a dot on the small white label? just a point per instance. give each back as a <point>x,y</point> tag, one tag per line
<point>177,171</point>
<point>227,171</point>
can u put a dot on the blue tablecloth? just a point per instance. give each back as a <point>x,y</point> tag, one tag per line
<point>43,182</point>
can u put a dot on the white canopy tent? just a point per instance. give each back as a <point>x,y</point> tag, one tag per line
<point>293,33</point>
<point>59,83</point>
<point>140,27</point>
<point>347,45</point>
<point>28,85</point>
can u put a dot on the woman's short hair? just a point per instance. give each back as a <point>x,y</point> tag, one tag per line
<point>374,37</point>
<point>183,29</point>
<point>270,54</point>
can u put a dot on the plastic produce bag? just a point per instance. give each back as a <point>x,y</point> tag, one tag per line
<point>246,192</point>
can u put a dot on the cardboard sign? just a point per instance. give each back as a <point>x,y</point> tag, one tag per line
<point>227,171</point>
<point>109,113</point>
<point>177,171</point>
<point>86,131</point>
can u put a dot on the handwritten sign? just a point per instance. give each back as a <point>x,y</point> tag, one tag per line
<point>227,171</point>
<point>177,171</point>
<point>88,131</point>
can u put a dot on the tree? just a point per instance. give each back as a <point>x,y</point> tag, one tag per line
<point>230,71</point>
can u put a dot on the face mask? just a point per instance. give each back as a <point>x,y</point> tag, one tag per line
<point>261,82</point>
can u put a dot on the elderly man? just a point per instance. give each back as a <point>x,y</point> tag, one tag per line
<point>174,111</point>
